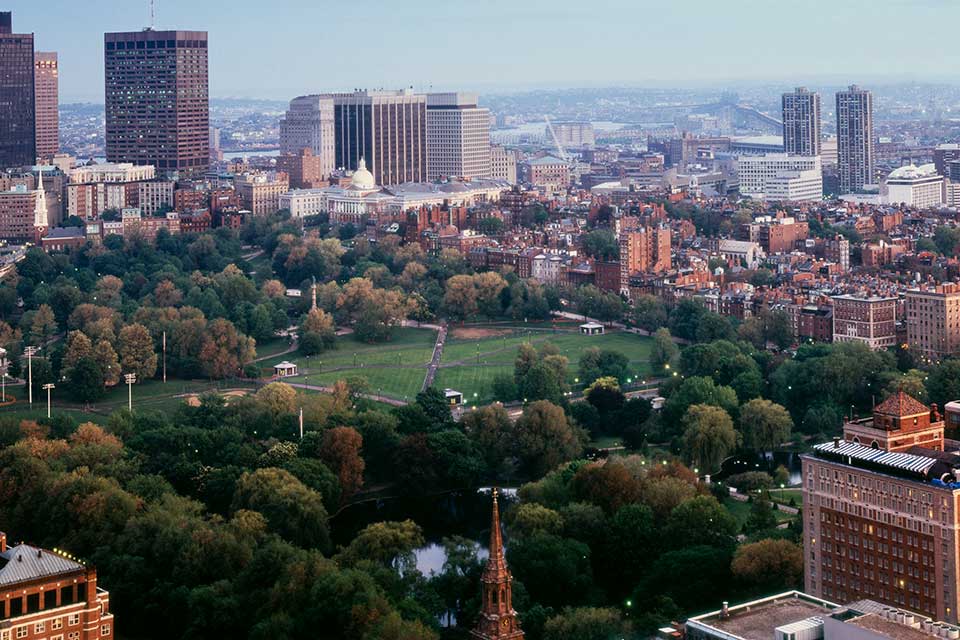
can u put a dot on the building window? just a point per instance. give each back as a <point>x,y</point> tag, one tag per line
<point>104,630</point>
<point>22,631</point>
<point>74,619</point>
<point>56,623</point>
<point>39,627</point>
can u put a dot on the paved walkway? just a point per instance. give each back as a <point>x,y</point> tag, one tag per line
<point>368,396</point>
<point>437,355</point>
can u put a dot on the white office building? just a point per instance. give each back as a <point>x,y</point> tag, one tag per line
<point>780,176</point>
<point>458,137</point>
<point>914,186</point>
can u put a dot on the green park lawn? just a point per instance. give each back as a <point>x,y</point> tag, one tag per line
<point>395,368</point>
<point>459,370</point>
<point>741,511</point>
<point>152,395</point>
<point>785,495</point>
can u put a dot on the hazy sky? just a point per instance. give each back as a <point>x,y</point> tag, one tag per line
<point>281,48</point>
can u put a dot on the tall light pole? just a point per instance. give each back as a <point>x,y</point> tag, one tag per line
<point>130,379</point>
<point>164,357</point>
<point>49,387</point>
<point>29,352</point>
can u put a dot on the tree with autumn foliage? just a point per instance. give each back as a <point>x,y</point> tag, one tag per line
<point>340,450</point>
<point>225,350</point>
<point>136,352</point>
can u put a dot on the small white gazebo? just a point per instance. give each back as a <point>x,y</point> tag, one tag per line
<point>285,369</point>
<point>591,328</point>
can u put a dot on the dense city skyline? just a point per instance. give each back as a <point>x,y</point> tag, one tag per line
<point>704,43</point>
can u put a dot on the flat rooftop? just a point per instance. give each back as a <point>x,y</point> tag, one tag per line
<point>889,628</point>
<point>757,620</point>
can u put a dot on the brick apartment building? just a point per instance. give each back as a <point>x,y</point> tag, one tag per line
<point>881,512</point>
<point>933,320</point>
<point>305,170</point>
<point>869,319</point>
<point>781,236</point>
<point>645,250</point>
<point>47,595</point>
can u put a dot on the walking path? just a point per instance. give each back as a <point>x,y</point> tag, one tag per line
<point>437,355</point>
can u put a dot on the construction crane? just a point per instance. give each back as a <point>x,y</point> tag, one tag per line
<point>556,140</point>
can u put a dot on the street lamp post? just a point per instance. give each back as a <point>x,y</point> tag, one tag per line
<point>29,352</point>
<point>130,379</point>
<point>49,387</point>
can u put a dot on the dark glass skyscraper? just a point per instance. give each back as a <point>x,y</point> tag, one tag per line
<point>17,108</point>
<point>157,100</point>
<point>388,129</point>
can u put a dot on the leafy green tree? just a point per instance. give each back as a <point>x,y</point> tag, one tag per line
<point>697,390</point>
<point>765,425</point>
<point>708,437</point>
<point>530,518</point>
<point>587,623</point>
<point>649,313</point>
<point>545,438</point>
<point>601,244</point>
<point>943,383</point>
<point>700,520</point>
<point>85,380</point>
<point>387,543</point>
<point>555,570</point>
<point>664,351</point>
<point>605,395</point>
<point>294,511</point>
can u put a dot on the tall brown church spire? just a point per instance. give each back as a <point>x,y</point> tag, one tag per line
<point>498,620</point>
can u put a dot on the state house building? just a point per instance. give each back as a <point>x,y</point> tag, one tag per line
<point>880,511</point>
<point>46,595</point>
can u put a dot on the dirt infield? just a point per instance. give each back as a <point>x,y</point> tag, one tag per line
<point>475,333</point>
<point>194,400</point>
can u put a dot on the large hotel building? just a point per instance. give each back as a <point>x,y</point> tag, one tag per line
<point>881,512</point>
<point>157,100</point>
<point>50,596</point>
<point>17,100</point>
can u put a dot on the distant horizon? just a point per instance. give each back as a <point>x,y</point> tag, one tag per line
<point>293,48</point>
<point>505,90</point>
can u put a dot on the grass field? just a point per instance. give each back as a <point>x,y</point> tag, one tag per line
<point>396,367</point>
<point>741,512</point>
<point>153,395</point>
<point>496,354</point>
<point>785,495</point>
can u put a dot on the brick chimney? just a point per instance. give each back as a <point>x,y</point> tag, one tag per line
<point>3,542</point>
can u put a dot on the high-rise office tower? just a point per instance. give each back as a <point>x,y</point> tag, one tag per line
<point>47,91</point>
<point>308,124</point>
<point>18,145</point>
<point>458,137</point>
<point>854,138</point>
<point>801,122</point>
<point>388,129</point>
<point>157,100</point>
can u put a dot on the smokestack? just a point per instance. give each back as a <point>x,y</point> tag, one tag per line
<point>836,443</point>
<point>725,610</point>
